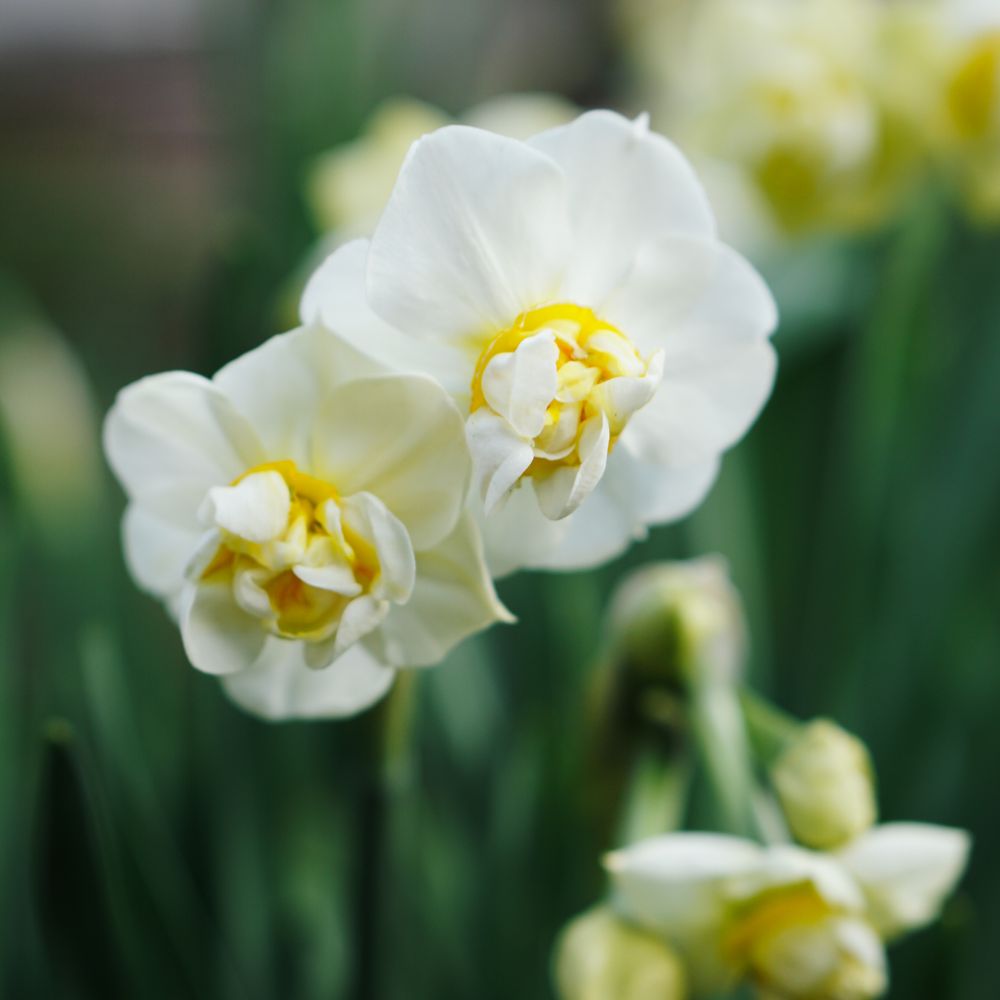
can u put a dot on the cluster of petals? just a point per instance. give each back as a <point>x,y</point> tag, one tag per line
<point>302,515</point>
<point>797,923</point>
<point>570,292</point>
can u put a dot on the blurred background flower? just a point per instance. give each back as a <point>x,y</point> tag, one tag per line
<point>155,165</point>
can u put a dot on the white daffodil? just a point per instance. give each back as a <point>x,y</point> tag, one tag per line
<point>798,924</point>
<point>571,294</point>
<point>302,516</point>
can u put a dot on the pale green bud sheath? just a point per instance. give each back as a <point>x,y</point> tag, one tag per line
<point>824,782</point>
<point>599,956</point>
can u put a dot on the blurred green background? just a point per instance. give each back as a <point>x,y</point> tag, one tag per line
<point>155,841</point>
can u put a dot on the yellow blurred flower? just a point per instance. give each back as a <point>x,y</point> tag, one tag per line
<point>819,102</point>
<point>349,185</point>
<point>971,108</point>
<point>601,957</point>
<point>824,783</point>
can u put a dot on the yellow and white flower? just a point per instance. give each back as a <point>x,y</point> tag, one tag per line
<point>570,292</point>
<point>301,514</point>
<point>820,105</point>
<point>798,924</point>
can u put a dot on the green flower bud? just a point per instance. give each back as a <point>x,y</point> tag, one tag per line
<point>825,784</point>
<point>674,619</point>
<point>601,957</point>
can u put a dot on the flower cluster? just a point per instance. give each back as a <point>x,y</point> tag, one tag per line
<point>552,320</point>
<point>802,904</point>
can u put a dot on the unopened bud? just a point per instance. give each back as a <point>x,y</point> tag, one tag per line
<point>825,785</point>
<point>674,618</point>
<point>601,957</point>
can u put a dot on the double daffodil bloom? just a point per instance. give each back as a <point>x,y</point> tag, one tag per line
<point>798,924</point>
<point>301,514</point>
<point>570,293</point>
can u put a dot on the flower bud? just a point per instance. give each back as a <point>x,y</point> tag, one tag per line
<point>674,618</point>
<point>825,785</point>
<point>601,957</point>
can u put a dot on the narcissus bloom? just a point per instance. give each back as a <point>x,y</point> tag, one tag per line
<point>799,924</point>
<point>571,294</point>
<point>302,516</point>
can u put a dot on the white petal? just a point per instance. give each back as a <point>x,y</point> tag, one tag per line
<point>280,385</point>
<point>621,397</point>
<point>906,871</point>
<point>676,885</point>
<point>520,385</point>
<point>475,233</point>
<point>251,596</point>
<point>256,508</point>
<point>219,637</point>
<point>627,186</point>
<point>400,438</point>
<point>517,535</point>
<point>280,685</point>
<point>562,491</point>
<point>367,516</point>
<point>170,438</point>
<point>453,598</point>
<point>652,493</point>
<point>710,313</point>
<point>335,576</point>
<point>499,454</point>
<point>785,864</point>
<point>157,552</point>
<point>360,618</point>
<point>335,296</point>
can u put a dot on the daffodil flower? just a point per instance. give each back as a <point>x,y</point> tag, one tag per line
<point>800,925</point>
<point>301,514</point>
<point>571,294</point>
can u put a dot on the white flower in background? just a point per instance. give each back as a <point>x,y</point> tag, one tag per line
<point>824,781</point>
<point>798,924</point>
<point>302,516</point>
<point>349,185</point>
<point>571,294</point>
<point>601,957</point>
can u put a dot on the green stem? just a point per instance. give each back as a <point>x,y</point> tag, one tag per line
<point>769,727</point>
<point>721,737</point>
<point>656,797</point>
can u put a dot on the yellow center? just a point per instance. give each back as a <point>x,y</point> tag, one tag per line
<point>591,352</point>
<point>314,535</point>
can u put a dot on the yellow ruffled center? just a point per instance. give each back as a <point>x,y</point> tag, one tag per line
<point>592,352</point>
<point>267,576</point>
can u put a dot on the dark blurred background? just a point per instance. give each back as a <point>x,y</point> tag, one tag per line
<point>154,841</point>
